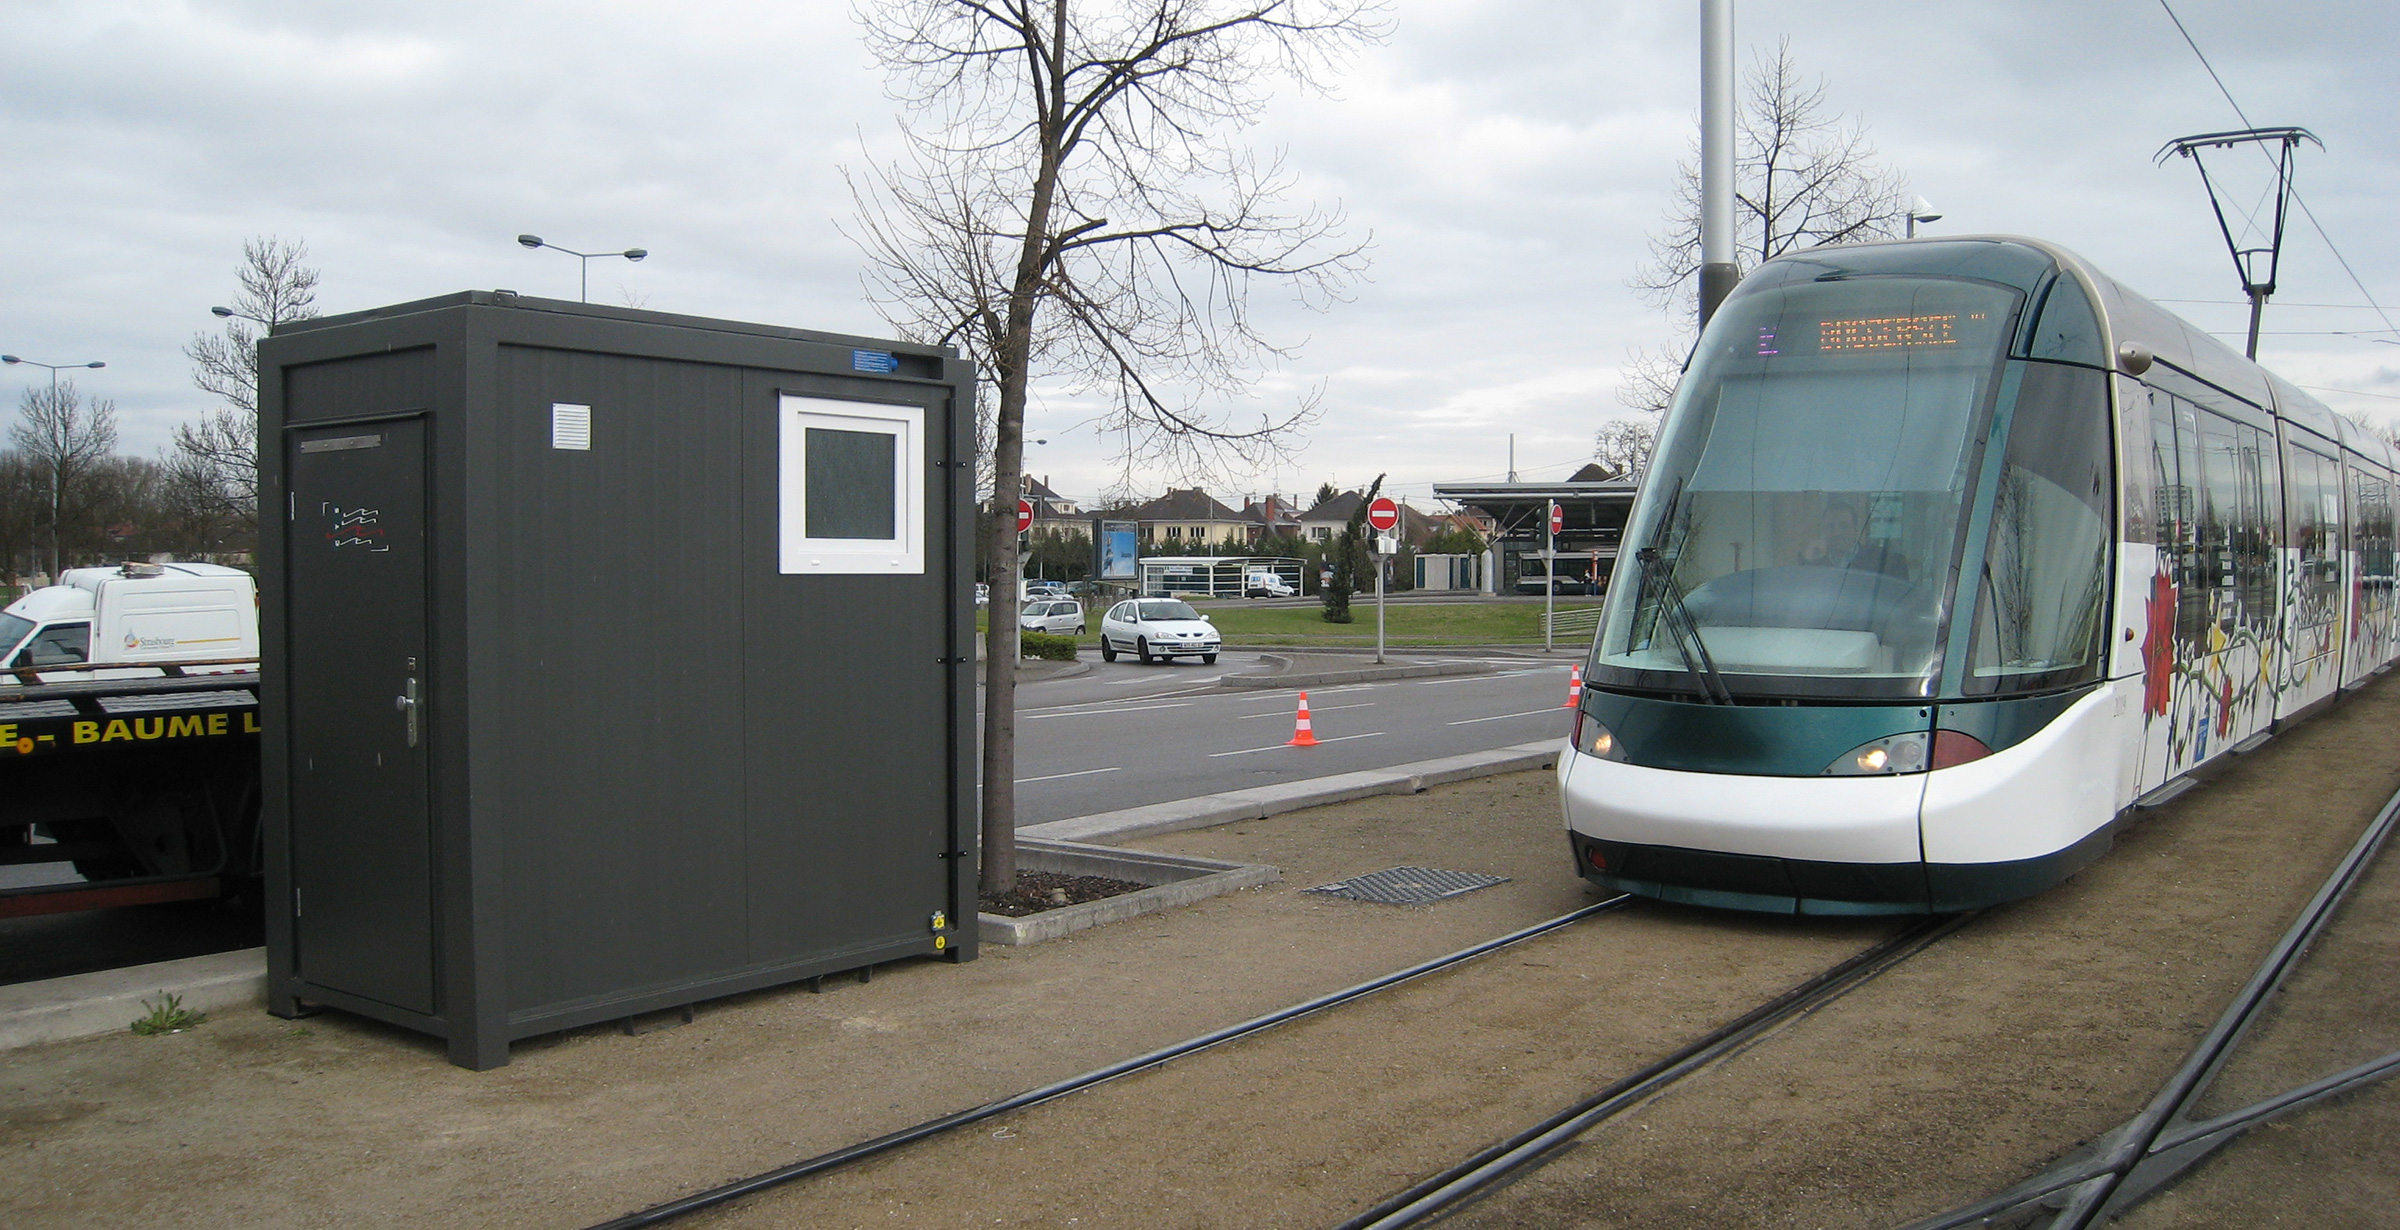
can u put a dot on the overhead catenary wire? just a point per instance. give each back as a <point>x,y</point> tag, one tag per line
<point>2297,198</point>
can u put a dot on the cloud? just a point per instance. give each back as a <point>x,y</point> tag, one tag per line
<point>1507,156</point>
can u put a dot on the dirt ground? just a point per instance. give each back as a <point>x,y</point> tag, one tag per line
<point>2041,1024</point>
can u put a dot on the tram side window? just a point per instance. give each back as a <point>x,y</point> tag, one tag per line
<point>2221,526</point>
<point>2172,503</point>
<point>2044,580</point>
<point>2371,526</point>
<point>2315,498</point>
<point>2262,497</point>
<point>2195,581</point>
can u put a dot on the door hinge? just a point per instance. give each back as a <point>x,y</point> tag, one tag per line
<point>296,911</point>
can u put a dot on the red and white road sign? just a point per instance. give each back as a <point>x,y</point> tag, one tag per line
<point>1383,514</point>
<point>1558,517</point>
<point>1024,515</point>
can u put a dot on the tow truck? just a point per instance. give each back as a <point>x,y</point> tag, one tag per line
<point>129,739</point>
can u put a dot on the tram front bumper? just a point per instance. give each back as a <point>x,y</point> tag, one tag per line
<point>1786,845</point>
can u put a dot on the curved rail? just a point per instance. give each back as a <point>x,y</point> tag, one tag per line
<point>2156,1146</point>
<point>660,1213</point>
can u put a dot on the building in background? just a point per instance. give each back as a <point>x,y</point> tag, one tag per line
<point>1594,510</point>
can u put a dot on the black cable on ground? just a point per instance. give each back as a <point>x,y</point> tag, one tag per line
<point>1530,1147</point>
<point>2159,1144</point>
<point>661,1213</point>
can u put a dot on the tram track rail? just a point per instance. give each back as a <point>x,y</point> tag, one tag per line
<point>1440,1192</point>
<point>1506,1160</point>
<point>2164,1142</point>
<point>848,1155</point>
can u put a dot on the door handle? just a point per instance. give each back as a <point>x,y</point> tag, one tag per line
<point>407,704</point>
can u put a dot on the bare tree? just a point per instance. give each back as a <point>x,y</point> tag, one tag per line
<point>24,499</point>
<point>1072,201</point>
<point>1623,446</point>
<point>65,443</point>
<point>1804,176</point>
<point>213,471</point>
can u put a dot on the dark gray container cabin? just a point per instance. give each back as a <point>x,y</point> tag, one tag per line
<point>613,661</point>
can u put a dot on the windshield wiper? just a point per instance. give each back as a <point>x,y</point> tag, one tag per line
<point>1680,626</point>
<point>1686,634</point>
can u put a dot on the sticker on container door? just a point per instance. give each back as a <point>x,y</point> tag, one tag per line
<point>354,529</point>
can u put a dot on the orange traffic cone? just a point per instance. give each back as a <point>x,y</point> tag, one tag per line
<point>1302,736</point>
<point>1574,687</point>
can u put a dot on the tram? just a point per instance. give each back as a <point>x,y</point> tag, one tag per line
<point>1953,553</point>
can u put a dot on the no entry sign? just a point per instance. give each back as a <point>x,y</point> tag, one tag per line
<point>1383,514</point>
<point>1558,517</point>
<point>1024,515</point>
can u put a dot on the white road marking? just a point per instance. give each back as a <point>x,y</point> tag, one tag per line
<point>1055,776</point>
<point>1031,717</point>
<point>1280,746</point>
<point>1499,716</point>
<point>1364,704</point>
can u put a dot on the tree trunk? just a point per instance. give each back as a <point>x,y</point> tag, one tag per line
<point>1001,640</point>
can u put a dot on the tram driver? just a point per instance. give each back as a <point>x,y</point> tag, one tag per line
<point>1839,544</point>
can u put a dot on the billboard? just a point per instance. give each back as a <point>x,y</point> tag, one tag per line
<point>1114,543</point>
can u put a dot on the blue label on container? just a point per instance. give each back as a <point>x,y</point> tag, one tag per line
<point>873,361</point>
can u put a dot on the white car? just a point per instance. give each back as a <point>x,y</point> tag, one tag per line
<point>1060,616</point>
<point>1154,628</point>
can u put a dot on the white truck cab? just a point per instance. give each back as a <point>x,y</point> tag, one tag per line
<point>150,614</point>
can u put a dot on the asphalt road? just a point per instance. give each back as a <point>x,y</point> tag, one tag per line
<point>1128,734</point>
<point>1121,736</point>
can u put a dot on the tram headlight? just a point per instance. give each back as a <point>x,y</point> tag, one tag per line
<point>1594,739</point>
<point>1882,757</point>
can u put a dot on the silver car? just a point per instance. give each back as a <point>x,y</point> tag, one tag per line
<point>1060,616</point>
<point>1155,628</point>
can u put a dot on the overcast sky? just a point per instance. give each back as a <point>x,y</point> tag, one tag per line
<point>1508,158</point>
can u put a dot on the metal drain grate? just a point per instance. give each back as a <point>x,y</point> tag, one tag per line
<point>1408,885</point>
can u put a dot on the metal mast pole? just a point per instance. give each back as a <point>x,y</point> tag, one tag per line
<point>1550,574</point>
<point>1379,562</point>
<point>1718,273</point>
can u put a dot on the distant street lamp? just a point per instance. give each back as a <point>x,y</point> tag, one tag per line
<point>1922,211</point>
<point>226,312</point>
<point>12,360</point>
<point>54,367</point>
<point>631,254</point>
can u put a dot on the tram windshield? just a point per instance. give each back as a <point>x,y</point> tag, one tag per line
<point>1796,532</point>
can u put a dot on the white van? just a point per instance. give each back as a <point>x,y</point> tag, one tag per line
<point>1266,585</point>
<point>151,614</point>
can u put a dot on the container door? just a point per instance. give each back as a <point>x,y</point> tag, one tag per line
<point>362,842</point>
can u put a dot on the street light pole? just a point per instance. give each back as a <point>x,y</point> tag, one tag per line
<point>12,360</point>
<point>585,294</point>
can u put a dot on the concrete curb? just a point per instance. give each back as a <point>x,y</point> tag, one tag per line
<point>1174,880</point>
<point>1359,674</point>
<point>1259,802</point>
<point>85,1005</point>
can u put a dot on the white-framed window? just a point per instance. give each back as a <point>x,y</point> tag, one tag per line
<point>850,487</point>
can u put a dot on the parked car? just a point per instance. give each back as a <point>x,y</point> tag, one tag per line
<point>1059,616</point>
<point>1155,628</point>
<point>1266,585</point>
